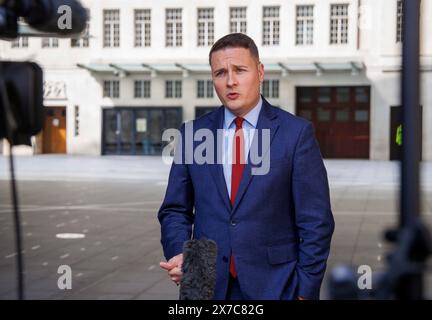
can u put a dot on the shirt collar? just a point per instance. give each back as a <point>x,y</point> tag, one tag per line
<point>251,117</point>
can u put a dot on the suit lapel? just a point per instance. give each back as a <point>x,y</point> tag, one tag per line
<point>216,169</point>
<point>266,120</point>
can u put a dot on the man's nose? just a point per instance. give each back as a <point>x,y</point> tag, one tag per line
<point>232,79</point>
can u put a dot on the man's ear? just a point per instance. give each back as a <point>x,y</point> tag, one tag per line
<point>261,71</point>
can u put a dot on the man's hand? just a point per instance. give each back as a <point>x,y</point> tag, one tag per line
<point>173,266</point>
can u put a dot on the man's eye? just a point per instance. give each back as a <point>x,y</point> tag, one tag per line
<point>240,70</point>
<point>219,73</point>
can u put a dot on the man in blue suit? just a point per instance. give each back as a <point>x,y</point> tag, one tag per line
<point>272,230</point>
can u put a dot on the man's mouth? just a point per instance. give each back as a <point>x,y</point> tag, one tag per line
<point>233,96</point>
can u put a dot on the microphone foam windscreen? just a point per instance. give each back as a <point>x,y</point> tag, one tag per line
<point>199,270</point>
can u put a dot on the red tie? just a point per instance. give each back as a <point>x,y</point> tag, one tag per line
<point>238,164</point>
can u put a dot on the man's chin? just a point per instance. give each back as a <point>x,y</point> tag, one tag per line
<point>234,106</point>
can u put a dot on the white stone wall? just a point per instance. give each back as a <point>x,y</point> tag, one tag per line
<point>372,39</point>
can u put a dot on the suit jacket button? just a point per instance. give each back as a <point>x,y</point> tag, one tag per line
<point>233,223</point>
<point>225,259</point>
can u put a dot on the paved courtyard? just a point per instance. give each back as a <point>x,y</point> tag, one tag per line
<point>113,201</point>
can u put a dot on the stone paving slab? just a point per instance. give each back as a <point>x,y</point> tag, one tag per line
<point>113,202</point>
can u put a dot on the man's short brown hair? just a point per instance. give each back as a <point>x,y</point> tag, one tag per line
<point>235,40</point>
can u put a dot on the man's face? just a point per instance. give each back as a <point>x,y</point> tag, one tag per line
<point>237,76</point>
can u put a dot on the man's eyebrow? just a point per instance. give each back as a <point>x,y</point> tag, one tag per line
<point>220,69</point>
<point>236,66</point>
<point>240,66</point>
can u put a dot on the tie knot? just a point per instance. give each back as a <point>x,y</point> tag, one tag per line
<point>238,122</point>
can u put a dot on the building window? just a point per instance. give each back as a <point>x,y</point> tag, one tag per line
<point>205,27</point>
<point>304,25</point>
<point>50,43</point>
<point>339,24</point>
<point>76,121</point>
<point>271,26</point>
<point>174,34</point>
<point>21,42</point>
<point>270,88</point>
<point>83,41</point>
<point>111,89</point>
<point>362,94</point>
<point>204,89</point>
<point>111,23</point>
<point>142,89</point>
<point>209,89</point>
<point>399,21</point>
<point>173,89</point>
<point>324,95</point>
<point>238,22</point>
<point>143,28</point>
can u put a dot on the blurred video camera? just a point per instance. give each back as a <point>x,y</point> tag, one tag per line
<point>21,83</point>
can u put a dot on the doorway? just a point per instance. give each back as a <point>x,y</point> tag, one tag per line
<point>341,118</point>
<point>54,131</point>
<point>137,130</point>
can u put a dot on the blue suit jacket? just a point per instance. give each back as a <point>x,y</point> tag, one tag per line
<point>280,226</point>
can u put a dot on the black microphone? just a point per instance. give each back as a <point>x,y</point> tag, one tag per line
<point>199,270</point>
<point>51,16</point>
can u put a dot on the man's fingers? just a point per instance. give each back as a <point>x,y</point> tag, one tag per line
<point>175,272</point>
<point>166,265</point>
<point>176,280</point>
<point>175,275</point>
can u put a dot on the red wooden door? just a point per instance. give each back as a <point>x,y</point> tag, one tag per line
<point>341,119</point>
